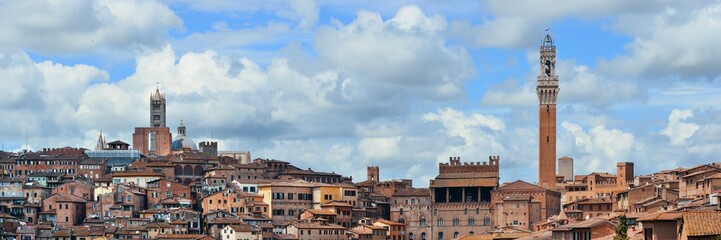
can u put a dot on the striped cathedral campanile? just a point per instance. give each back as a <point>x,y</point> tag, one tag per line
<point>547,90</point>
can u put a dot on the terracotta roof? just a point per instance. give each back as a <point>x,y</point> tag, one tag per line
<point>82,231</point>
<point>242,228</point>
<point>335,203</point>
<point>93,161</point>
<point>702,223</point>
<point>181,236</point>
<point>366,183</point>
<point>62,233</point>
<point>286,236</point>
<point>661,216</point>
<point>425,192</point>
<point>521,185</point>
<point>321,212</point>
<point>316,225</point>
<point>709,171</point>
<point>137,174</point>
<point>225,221</point>
<point>67,198</point>
<point>589,223</point>
<point>388,222</point>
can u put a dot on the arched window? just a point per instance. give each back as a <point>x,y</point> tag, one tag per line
<point>486,221</point>
<point>456,222</point>
<point>440,222</point>
<point>151,141</point>
<point>198,171</point>
<point>401,211</point>
<point>465,211</point>
<point>470,233</point>
<point>188,170</point>
<point>471,221</point>
<point>178,170</point>
<point>401,220</point>
<point>440,236</point>
<point>422,222</point>
<point>455,235</point>
<point>423,236</point>
<point>478,211</point>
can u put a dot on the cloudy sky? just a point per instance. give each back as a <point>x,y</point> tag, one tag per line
<point>336,85</point>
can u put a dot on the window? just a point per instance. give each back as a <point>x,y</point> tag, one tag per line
<point>290,196</point>
<point>440,222</point>
<point>455,235</point>
<point>486,221</point>
<point>471,222</point>
<point>456,222</point>
<point>422,222</point>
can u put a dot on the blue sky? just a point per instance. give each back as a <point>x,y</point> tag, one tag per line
<point>334,85</point>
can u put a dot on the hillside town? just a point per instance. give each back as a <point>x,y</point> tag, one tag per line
<point>164,186</point>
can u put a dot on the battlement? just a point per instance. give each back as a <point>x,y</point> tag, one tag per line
<point>63,151</point>
<point>209,144</point>
<point>456,166</point>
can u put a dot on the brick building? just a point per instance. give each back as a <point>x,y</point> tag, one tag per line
<point>160,189</point>
<point>411,206</point>
<point>460,192</point>
<point>92,168</point>
<point>234,201</point>
<point>34,162</point>
<point>64,210</point>
<point>521,204</point>
<point>547,90</point>
<point>78,188</point>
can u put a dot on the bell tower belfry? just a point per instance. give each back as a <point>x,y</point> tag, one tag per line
<point>547,90</point>
<point>157,109</point>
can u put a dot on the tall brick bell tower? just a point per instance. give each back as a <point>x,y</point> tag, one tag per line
<point>547,90</point>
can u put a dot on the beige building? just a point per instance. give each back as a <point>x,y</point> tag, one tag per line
<point>240,232</point>
<point>316,231</point>
<point>565,168</point>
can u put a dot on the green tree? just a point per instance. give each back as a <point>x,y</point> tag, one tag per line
<point>621,229</point>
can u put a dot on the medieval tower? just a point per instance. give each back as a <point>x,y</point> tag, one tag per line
<point>547,90</point>
<point>157,109</point>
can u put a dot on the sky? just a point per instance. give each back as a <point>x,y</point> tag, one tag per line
<point>337,86</point>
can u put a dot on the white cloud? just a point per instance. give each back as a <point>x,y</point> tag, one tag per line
<point>597,148</point>
<point>677,131</point>
<point>404,54</point>
<point>84,25</point>
<point>379,148</point>
<point>579,84</point>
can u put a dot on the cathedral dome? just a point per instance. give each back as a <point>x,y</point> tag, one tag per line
<point>181,141</point>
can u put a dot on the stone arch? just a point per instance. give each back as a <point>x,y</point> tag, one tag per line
<point>198,171</point>
<point>423,236</point>
<point>410,236</point>
<point>187,170</point>
<point>178,170</point>
<point>440,235</point>
<point>187,181</point>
